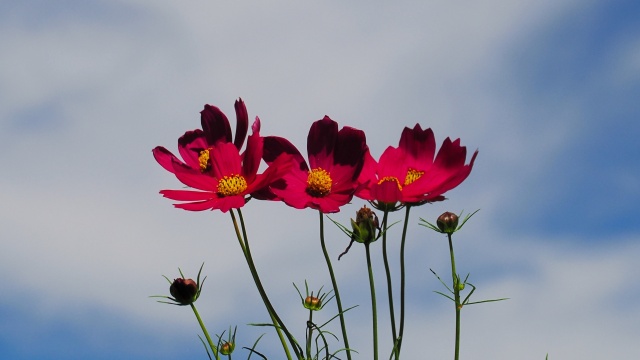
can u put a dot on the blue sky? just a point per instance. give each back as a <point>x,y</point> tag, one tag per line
<point>546,90</point>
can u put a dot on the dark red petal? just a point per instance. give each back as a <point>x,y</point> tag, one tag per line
<point>420,146</point>
<point>252,156</point>
<point>321,143</point>
<point>275,146</point>
<point>350,149</point>
<point>242,123</point>
<point>190,144</point>
<point>451,155</point>
<point>215,125</point>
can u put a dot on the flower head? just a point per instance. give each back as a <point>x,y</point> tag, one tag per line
<point>329,181</point>
<point>366,228</point>
<point>447,222</point>
<point>410,174</point>
<point>183,291</point>
<point>311,301</point>
<point>224,178</point>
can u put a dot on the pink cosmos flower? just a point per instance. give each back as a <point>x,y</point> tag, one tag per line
<point>222,176</point>
<point>335,161</point>
<point>410,174</point>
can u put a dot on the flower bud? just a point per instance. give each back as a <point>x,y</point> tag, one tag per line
<point>184,291</point>
<point>461,286</point>
<point>312,303</point>
<point>227,348</point>
<point>447,222</point>
<point>365,226</point>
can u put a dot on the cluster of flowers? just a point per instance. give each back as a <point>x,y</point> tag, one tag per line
<point>222,176</point>
<point>340,166</point>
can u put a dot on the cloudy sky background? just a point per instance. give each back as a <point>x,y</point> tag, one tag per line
<point>546,90</point>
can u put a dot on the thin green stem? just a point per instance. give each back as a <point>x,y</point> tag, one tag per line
<point>309,333</point>
<point>402,279</point>
<point>334,283</point>
<point>277,323</point>
<point>374,310</point>
<point>385,217</point>
<point>456,293</point>
<point>206,333</point>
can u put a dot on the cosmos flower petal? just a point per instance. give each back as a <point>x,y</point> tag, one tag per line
<point>164,157</point>
<point>275,146</point>
<point>419,145</point>
<point>189,145</point>
<point>252,156</point>
<point>242,123</point>
<point>321,142</point>
<point>215,125</point>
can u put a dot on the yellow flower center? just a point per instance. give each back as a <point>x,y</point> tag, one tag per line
<point>319,182</point>
<point>392,179</point>
<point>231,185</point>
<point>203,159</point>
<point>412,175</point>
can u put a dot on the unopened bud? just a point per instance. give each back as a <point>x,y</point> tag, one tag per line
<point>312,303</point>
<point>227,348</point>
<point>365,226</point>
<point>184,291</point>
<point>447,222</point>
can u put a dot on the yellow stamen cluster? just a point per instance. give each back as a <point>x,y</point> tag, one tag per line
<point>232,185</point>
<point>203,159</point>
<point>412,175</point>
<point>319,182</point>
<point>391,178</point>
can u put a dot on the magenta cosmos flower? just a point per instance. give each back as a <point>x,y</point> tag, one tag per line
<point>222,176</point>
<point>335,161</point>
<point>410,174</point>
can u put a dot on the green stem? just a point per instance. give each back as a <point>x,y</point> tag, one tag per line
<point>389,285</point>
<point>402,279</point>
<point>206,333</point>
<point>374,310</point>
<point>277,323</point>
<point>334,283</point>
<point>310,333</point>
<point>456,293</point>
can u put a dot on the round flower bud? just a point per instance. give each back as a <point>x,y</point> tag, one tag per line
<point>365,226</point>
<point>184,291</point>
<point>461,286</point>
<point>227,348</point>
<point>312,303</point>
<point>447,222</point>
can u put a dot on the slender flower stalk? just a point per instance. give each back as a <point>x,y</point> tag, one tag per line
<point>206,333</point>
<point>402,280</point>
<point>385,260</point>
<point>309,333</point>
<point>277,322</point>
<point>456,296</point>
<point>334,283</point>
<point>374,310</point>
